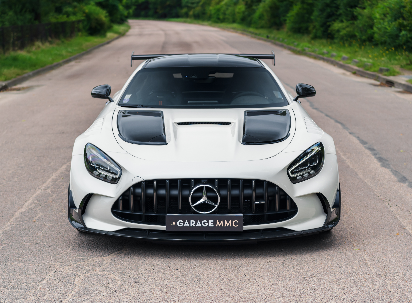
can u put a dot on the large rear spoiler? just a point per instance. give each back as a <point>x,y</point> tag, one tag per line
<point>257,56</point>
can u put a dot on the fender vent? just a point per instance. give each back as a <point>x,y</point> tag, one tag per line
<point>188,123</point>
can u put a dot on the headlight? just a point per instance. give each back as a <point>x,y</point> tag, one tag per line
<point>307,165</point>
<point>100,165</point>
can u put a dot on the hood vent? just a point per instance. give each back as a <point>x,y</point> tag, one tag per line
<point>189,123</point>
<point>265,127</point>
<point>142,127</point>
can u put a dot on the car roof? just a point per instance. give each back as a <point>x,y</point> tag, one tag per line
<point>202,60</point>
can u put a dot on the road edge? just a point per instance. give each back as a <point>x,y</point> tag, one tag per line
<point>18,80</point>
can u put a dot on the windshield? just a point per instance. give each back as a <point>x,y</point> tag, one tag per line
<point>189,87</point>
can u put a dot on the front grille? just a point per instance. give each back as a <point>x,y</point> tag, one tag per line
<point>259,201</point>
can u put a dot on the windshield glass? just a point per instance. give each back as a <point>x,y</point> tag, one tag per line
<point>189,87</point>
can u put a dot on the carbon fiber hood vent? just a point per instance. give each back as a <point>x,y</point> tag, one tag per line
<point>142,127</point>
<point>265,127</point>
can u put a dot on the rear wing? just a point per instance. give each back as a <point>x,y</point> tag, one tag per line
<point>257,56</point>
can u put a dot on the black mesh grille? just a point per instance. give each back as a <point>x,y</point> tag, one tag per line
<point>259,201</point>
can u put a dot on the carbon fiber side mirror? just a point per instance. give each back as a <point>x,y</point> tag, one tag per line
<point>304,90</point>
<point>102,91</point>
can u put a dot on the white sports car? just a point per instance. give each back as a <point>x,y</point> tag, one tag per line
<point>204,147</point>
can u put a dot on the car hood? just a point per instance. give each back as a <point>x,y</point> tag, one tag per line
<point>201,139</point>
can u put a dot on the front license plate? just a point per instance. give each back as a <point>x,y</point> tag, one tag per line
<point>200,222</point>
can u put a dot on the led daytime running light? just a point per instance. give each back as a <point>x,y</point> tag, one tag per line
<point>307,165</point>
<point>101,166</point>
<point>108,166</point>
<point>316,150</point>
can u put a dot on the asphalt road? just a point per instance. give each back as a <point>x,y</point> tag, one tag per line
<point>366,258</point>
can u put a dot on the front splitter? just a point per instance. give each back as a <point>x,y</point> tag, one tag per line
<point>247,235</point>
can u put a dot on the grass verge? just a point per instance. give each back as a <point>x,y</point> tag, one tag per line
<point>39,55</point>
<point>367,57</point>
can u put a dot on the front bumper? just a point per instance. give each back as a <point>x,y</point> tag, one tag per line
<point>332,219</point>
<point>309,196</point>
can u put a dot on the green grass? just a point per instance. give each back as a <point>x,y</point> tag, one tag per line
<point>410,80</point>
<point>370,57</point>
<point>40,55</point>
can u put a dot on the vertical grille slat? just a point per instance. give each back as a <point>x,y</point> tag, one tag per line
<point>192,185</point>
<point>143,200</point>
<point>241,195</point>
<point>167,195</point>
<point>277,199</point>
<point>265,190</point>
<point>131,199</point>
<point>179,195</point>
<point>229,195</point>
<point>154,197</point>
<point>253,196</point>
<point>150,201</point>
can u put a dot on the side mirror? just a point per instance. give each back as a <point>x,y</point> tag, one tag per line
<point>304,90</point>
<point>102,91</point>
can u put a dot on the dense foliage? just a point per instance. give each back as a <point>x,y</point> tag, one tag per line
<point>380,22</point>
<point>98,15</point>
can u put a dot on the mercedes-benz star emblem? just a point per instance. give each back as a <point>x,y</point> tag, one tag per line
<point>204,205</point>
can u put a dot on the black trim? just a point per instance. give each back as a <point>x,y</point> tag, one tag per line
<point>246,235</point>
<point>224,106</point>
<point>153,56</point>
<point>84,202</point>
<point>189,123</point>
<point>332,215</point>
<point>338,198</point>
<point>75,214</point>
<point>141,127</point>
<point>265,127</point>
<point>70,199</point>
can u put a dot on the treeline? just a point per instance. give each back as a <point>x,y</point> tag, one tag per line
<point>380,22</point>
<point>97,15</point>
